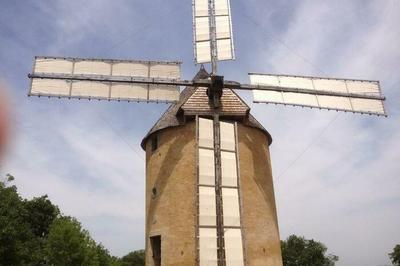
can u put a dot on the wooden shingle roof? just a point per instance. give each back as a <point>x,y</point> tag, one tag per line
<point>194,101</point>
<point>231,104</point>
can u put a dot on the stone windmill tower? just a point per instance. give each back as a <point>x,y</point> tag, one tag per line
<point>209,191</point>
<point>181,203</point>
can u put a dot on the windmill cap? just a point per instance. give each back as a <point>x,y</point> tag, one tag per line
<point>174,115</point>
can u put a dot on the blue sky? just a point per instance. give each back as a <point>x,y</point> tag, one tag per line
<point>336,175</point>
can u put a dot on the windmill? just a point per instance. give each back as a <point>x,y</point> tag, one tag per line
<point>209,192</point>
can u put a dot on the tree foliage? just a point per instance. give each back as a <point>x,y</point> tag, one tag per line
<point>395,255</point>
<point>298,251</point>
<point>135,258</point>
<point>33,232</point>
<point>40,214</point>
<point>68,244</point>
<point>18,242</point>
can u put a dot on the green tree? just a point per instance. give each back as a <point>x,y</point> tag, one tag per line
<point>103,256</point>
<point>134,258</point>
<point>69,244</point>
<point>40,214</point>
<point>395,255</point>
<point>32,232</point>
<point>298,251</point>
<point>24,226</point>
<point>17,241</point>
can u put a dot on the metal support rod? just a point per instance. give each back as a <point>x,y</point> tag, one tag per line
<point>218,190</point>
<point>215,99</point>
<point>213,36</point>
<point>200,83</point>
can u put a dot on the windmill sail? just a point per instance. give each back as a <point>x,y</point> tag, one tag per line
<point>203,19</point>
<point>212,211</point>
<point>95,79</point>
<point>358,96</point>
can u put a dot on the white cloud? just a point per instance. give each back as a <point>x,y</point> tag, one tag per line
<point>343,189</point>
<point>100,179</point>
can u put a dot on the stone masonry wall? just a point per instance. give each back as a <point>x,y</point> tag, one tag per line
<point>171,210</point>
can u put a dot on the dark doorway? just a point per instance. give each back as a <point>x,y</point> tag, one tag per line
<point>155,242</point>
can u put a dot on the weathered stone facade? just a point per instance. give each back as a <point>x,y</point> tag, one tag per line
<point>171,210</point>
<point>260,222</point>
<point>171,199</point>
